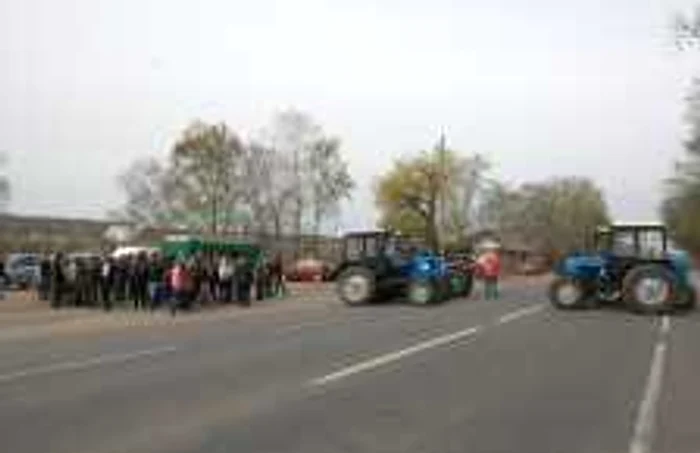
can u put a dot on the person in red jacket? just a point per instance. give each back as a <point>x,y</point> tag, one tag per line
<point>490,269</point>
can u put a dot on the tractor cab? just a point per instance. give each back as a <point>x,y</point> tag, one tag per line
<point>634,241</point>
<point>384,252</point>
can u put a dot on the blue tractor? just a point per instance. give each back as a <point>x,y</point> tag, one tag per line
<point>631,264</point>
<point>380,265</point>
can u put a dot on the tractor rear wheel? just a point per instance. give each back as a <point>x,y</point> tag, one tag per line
<point>567,294</point>
<point>356,285</point>
<point>422,292</point>
<point>649,289</point>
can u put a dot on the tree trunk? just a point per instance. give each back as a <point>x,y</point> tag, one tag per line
<point>431,227</point>
<point>214,215</point>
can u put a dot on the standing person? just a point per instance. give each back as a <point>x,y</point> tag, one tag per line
<point>179,282</point>
<point>95,280</point>
<point>225,272</point>
<point>207,271</point>
<point>107,283</point>
<point>3,279</point>
<point>80,278</point>
<point>213,271</point>
<point>58,281</point>
<point>260,278</point>
<point>44,277</point>
<point>139,281</point>
<point>196,271</point>
<point>244,271</point>
<point>71,287</point>
<point>490,265</point>
<point>235,276</point>
<point>120,279</point>
<point>277,275</point>
<point>156,275</point>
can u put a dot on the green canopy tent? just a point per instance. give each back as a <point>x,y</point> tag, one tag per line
<point>186,247</point>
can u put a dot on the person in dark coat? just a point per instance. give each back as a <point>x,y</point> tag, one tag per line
<point>139,281</point>
<point>80,286</point>
<point>261,278</point>
<point>58,281</point>
<point>95,278</point>
<point>245,281</point>
<point>3,279</point>
<point>120,279</point>
<point>44,278</point>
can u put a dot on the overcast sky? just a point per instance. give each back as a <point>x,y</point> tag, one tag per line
<point>542,87</point>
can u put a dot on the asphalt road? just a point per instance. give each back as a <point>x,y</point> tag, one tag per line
<point>468,376</point>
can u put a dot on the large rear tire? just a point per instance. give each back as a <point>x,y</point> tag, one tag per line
<point>649,289</point>
<point>567,294</point>
<point>356,286</point>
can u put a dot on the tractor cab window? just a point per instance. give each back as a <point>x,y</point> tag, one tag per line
<point>353,249</point>
<point>651,243</point>
<point>624,244</point>
<point>371,246</point>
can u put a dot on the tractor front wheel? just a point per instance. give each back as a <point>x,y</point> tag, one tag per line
<point>567,294</point>
<point>422,292</point>
<point>356,285</point>
<point>649,289</point>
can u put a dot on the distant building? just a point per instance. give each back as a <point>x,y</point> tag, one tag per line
<point>518,257</point>
<point>44,233</point>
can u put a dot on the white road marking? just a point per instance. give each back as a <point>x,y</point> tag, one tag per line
<point>519,314</point>
<point>394,356</point>
<point>644,427</point>
<point>83,364</point>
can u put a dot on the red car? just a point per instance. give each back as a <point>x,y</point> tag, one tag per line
<point>308,270</point>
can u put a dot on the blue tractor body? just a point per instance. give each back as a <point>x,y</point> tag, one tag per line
<point>630,264</point>
<point>581,266</point>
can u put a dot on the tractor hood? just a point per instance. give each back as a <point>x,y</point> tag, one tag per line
<point>580,266</point>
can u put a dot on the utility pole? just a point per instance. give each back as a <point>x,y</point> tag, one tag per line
<point>443,185</point>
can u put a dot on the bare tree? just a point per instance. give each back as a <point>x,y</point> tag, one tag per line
<point>328,178</point>
<point>319,175</point>
<point>271,188</point>
<point>687,30</point>
<point>555,216</point>
<point>205,171</point>
<point>149,195</point>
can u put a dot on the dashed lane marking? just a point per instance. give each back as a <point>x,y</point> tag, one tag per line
<point>645,426</point>
<point>519,314</point>
<point>428,344</point>
<point>396,355</point>
<point>83,364</point>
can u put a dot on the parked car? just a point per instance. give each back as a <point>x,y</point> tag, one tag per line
<point>22,270</point>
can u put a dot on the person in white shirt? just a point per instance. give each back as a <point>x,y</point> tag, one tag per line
<point>225,272</point>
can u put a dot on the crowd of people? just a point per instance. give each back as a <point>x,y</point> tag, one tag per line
<point>149,281</point>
